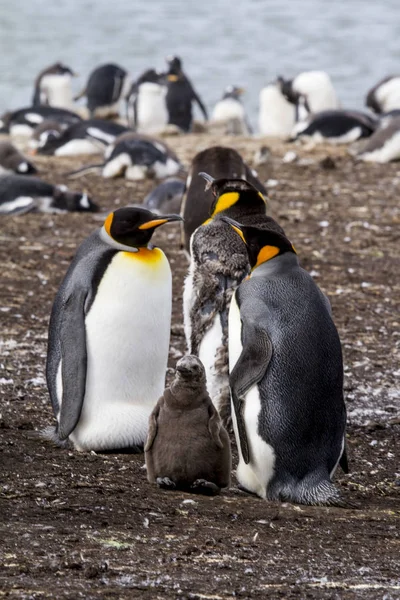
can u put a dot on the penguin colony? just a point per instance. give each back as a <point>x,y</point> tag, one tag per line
<point>259,331</point>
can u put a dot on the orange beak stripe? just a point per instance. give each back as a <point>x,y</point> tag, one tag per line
<point>154,223</point>
<point>108,223</point>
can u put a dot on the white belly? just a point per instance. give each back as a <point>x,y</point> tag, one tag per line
<point>152,114</point>
<point>257,474</point>
<point>78,146</point>
<point>210,346</point>
<point>127,336</point>
<point>228,109</point>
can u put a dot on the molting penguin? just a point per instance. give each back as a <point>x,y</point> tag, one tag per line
<point>315,86</point>
<point>12,161</point>
<point>230,111</point>
<point>180,96</point>
<point>286,377</point>
<point>53,87</point>
<point>146,103</point>
<point>277,115</point>
<point>337,126</point>
<point>218,264</point>
<point>166,197</point>
<point>19,194</point>
<point>384,144</point>
<point>106,85</point>
<point>184,421</point>
<point>220,162</point>
<point>385,95</point>
<point>24,121</point>
<point>109,335</point>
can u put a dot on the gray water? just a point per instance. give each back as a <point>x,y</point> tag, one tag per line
<point>221,42</point>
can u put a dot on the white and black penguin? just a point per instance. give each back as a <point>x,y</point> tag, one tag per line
<point>218,263</point>
<point>230,111</point>
<point>384,144</point>
<point>385,95</point>
<point>220,162</point>
<point>277,115</point>
<point>47,130</point>
<point>53,87</point>
<point>20,194</point>
<point>166,197</point>
<point>337,126</point>
<point>12,161</point>
<point>146,103</point>
<point>180,96</point>
<point>315,86</point>
<point>86,137</point>
<point>286,377</point>
<point>109,335</point>
<point>23,122</point>
<point>106,86</point>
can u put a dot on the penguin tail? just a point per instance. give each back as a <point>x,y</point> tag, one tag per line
<point>84,170</point>
<point>50,434</point>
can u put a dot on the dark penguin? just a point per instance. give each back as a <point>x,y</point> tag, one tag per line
<point>85,137</point>
<point>218,264</point>
<point>19,194</point>
<point>385,95</point>
<point>219,162</point>
<point>12,161</point>
<point>109,335</point>
<point>230,111</point>
<point>146,103</point>
<point>53,87</point>
<point>180,96</point>
<point>105,87</point>
<point>24,121</point>
<point>47,130</point>
<point>166,197</point>
<point>337,126</point>
<point>384,144</point>
<point>286,376</point>
<point>187,446</point>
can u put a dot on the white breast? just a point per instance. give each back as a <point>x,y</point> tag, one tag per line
<point>58,90</point>
<point>127,333</point>
<point>78,146</point>
<point>208,351</point>
<point>228,109</point>
<point>152,114</point>
<point>277,115</point>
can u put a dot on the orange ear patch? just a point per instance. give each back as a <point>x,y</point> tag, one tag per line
<point>265,254</point>
<point>108,223</point>
<point>225,201</point>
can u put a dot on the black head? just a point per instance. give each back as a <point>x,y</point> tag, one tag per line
<point>233,192</point>
<point>26,168</point>
<point>63,199</point>
<point>174,68</point>
<point>261,244</point>
<point>134,226</point>
<point>58,69</point>
<point>190,369</point>
<point>149,76</point>
<point>233,92</point>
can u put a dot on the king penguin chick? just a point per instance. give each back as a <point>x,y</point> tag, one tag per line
<point>180,95</point>
<point>109,335</point>
<point>106,85</point>
<point>230,111</point>
<point>12,161</point>
<point>286,376</point>
<point>187,446</point>
<point>218,264</point>
<point>53,87</point>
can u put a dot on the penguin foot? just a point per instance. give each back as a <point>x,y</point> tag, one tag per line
<point>202,486</point>
<point>165,483</point>
<point>246,491</point>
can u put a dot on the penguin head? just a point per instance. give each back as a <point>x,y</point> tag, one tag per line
<point>261,244</point>
<point>233,92</point>
<point>57,69</point>
<point>133,226</point>
<point>65,200</point>
<point>174,68</point>
<point>233,192</point>
<point>189,375</point>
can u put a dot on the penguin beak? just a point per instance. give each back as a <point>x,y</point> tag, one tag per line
<point>210,180</point>
<point>235,226</point>
<point>157,222</point>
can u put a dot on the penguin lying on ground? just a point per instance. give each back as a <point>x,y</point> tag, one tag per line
<point>12,161</point>
<point>385,95</point>
<point>218,264</point>
<point>146,103</point>
<point>219,162</point>
<point>337,126</point>
<point>187,446</point>
<point>53,87</point>
<point>384,144</point>
<point>23,122</point>
<point>106,85</point>
<point>166,197</point>
<point>230,111</point>
<point>85,137</point>
<point>20,194</point>
<point>109,335</point>
<point>286,376</point>
<point>47,130</point>
<point>180,96</point>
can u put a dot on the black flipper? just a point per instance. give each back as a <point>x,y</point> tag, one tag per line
<point>74,362</point>
<point>199,101</point>
<point>249,370</point>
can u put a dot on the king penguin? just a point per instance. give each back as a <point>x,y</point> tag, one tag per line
<point>109,335</point>
<point>218,264</point>
<point>286,376</point>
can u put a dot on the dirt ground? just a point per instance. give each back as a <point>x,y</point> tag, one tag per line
<point>90,526</point>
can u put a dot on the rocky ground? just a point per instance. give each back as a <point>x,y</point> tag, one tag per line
<point>90,526</point>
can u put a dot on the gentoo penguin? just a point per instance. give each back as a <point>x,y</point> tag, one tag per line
<point>385,95</point>
<point>85,137</point>
<point>315,86</point>
<point>47,130</point>
<point>24,121</point>
<point>277,115</point>
<point>185,423</point>
<point>19,194</point>
<point>146,103</point>
<point>109,335</point>
<point>166,197</point>
<point>12,161</point>
<point>230,111</point>
<point>384,144</point>
<point>219,162</point>
<point>218,264</point>
<point>53,87</point>
<point>337,126</point>
<point>106,85</point>
<point>285,375</point>
<point>180,95</point>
